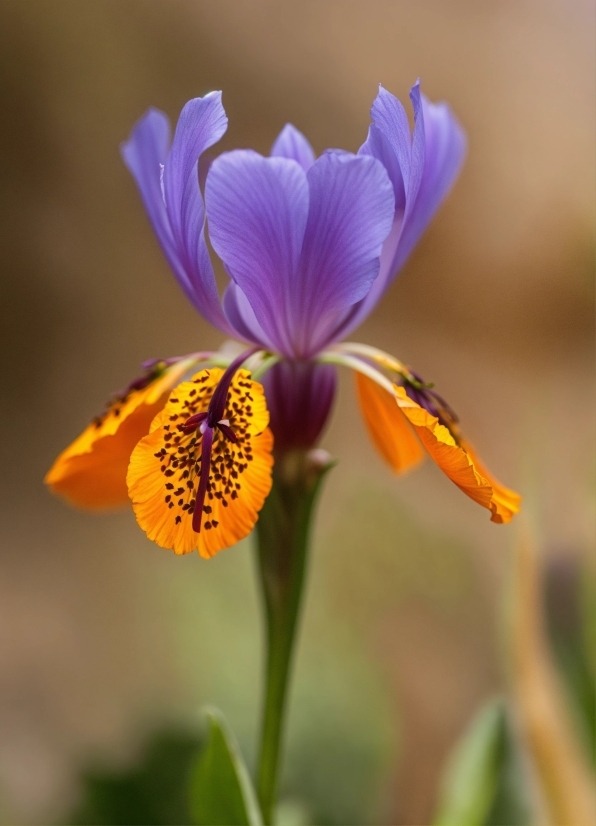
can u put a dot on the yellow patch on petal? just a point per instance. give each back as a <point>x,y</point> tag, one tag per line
<point>388,427</point>
<point>459,462</point>
<point>164,469</point>
<point>91,472</point>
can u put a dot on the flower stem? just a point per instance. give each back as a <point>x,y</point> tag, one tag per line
<point>283,533</point>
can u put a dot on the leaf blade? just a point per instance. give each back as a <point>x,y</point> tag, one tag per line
<point>221,792</point>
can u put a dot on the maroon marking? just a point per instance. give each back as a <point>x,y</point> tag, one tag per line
<point>207,443</point>
<point>217,405</point>
<point>227,432</point>
<point>192,423</point>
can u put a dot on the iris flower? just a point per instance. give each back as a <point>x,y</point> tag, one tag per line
<point>310,246</point>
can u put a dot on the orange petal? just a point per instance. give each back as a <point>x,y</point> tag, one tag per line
<point>91,472</point>
<point>505,502</point>
<point>389,429</point>
<point>163,479</point>
<point>459,462</point>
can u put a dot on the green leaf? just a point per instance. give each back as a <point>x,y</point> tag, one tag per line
<point>221,793</point>
<point>483,784</point>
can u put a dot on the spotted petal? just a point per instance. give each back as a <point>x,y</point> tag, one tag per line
<point>165,468</point>
<point>91,472</point>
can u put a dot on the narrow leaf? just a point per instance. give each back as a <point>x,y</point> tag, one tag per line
<point>484,781</point>
<point>221,793</point>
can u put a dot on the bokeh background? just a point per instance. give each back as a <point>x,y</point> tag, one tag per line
<point>106,639</point>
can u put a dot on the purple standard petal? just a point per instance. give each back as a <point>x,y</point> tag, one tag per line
<point>437,153</point>
<point>242,317</point>
<point>257,209</point>
<point>145,154</point>
<point>377,146</point>
<point>172,179</point>
<point>202,123</point>
<point>290,143</point>
<point>444,152</point>
<point>389,141</point>
<point>351,211</point>
<point>391,144</point>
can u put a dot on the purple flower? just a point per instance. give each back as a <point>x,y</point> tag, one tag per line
<point>309,244</point>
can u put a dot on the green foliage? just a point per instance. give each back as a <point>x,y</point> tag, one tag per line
<point>221,793</point>
<point>153,793</point>
<point>484,783</point>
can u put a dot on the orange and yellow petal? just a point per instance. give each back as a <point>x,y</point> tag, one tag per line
<point>459,462</point>
<point>505,502</point>
<point>388,427</point>
<point>164,468</point>
<point>91,472</point>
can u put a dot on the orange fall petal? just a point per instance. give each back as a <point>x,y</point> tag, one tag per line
<point>165,468</point>
<point>459,462</point>
<point>91,472</point>
<point>389,429</point>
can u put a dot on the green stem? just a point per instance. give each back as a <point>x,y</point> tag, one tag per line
<point>283,533</point>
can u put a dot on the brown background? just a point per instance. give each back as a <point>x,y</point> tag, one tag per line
<point>103,635</point>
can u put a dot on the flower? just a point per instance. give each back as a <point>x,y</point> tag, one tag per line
<point>310,245</point>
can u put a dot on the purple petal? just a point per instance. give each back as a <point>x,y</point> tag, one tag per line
<point>201,124</point>
<point>445,150</point>
<point>145,154</point>
<point>257,209</point>
<point>242,317</point>
<point>391,121</point>
<point>179,227</point>
<point>438,150</point>
<point>377,146</point>
<point>351,210</point>
<point>290,143</point>
<point>389,141</point>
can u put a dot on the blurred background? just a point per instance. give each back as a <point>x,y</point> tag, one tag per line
<point>108,644</point>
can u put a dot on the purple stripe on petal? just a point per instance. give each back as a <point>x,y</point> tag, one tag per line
<point>351,210</point>
<point>257,209</point>
<point>290,143</point>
